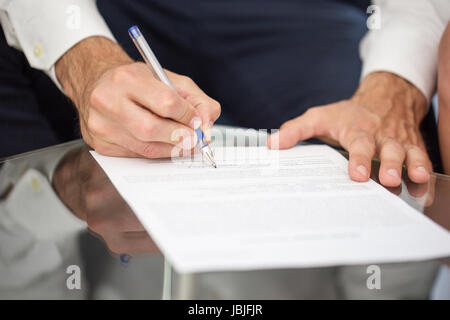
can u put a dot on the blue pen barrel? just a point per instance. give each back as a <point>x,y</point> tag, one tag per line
<point>200,137</point>
<point>134,32</point>
<point>150,59</point>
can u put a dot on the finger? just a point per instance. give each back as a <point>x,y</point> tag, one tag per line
<point>151,150</point>
<point>361,147</point>
<point>148,127</point>
<point>392,156</point>
<point>416,190</point>
<point>208,108</point>
<point>209,111</point>
<point>423,192</point>
<point>160,98</point>
<point>132,243</point>
<point>102,130</point>
<point>418,164</point>
<point>113,215</point>
<point>295,130</point>
<point>135,148</point>
<point>110,149</point>
<point>395,190</point>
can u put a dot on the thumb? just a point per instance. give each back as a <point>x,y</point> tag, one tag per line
<point>295,130</point>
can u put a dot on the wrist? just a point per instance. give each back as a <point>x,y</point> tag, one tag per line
<point>81,66</point>
<point>383,92</point>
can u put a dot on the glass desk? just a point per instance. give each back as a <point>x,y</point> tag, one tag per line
<point>63,225</point>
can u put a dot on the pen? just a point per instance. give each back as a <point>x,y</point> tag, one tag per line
<point>150,58</point>
<point>125,258</point>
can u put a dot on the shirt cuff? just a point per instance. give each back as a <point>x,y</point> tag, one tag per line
<point>44,30</point>
<point>407,41</point>
<point>412,60</point>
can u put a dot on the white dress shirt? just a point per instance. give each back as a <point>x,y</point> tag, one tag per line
<point>406,43</point>
<point>45,29</point>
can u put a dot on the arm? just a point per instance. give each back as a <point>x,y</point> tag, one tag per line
<point>444,99</point>
<point>123,109</point>
<point>382,118</point>
<point>44,30</point>
<point>85,189</point>
<point>407,42</point>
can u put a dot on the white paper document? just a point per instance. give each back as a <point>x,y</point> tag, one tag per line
<point>264,209</point>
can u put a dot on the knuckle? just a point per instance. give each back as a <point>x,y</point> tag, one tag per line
<point>122,74</point>
<point>413,148</point>
<point>416,156</point>
<point>98,98</point>
<point>395,144</point>
<point>146,131</point>
<point>217,108</point>
<point>392,149</point>
<point>186,81</point>
<point>93,200</point>
<point>367,140</point>
<point>94,126</point>
<point>95,223</point>
<point>390,132</point>
<point>367,123</point>
<point>350,136</point>
<point>214,109</point>
<point>365,143</point>
<point>311,112</point>
<point>169,104</point>
<point>388,141</point>
<point>136,66</point>
<point>288,124</point>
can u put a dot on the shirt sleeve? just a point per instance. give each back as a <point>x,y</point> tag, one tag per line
<point>44,30</point>
<point>407,40</point>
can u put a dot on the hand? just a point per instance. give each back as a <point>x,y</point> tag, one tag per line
<point>382,119</point>
<point>85,189</point>
<point>444,99</point>
<point>124,110</point>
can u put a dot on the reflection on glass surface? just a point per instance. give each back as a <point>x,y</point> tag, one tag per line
<point>85,189</point>
<point>431,198</point>
<point>53,201</point>
<point>46,231</point>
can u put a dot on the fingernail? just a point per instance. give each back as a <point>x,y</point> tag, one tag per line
<point>195,123</point>
<point>275,140</point>
<point>393,173</point>
<point>188,142</point>
<point>362,170</point>
<point>422,169</point>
